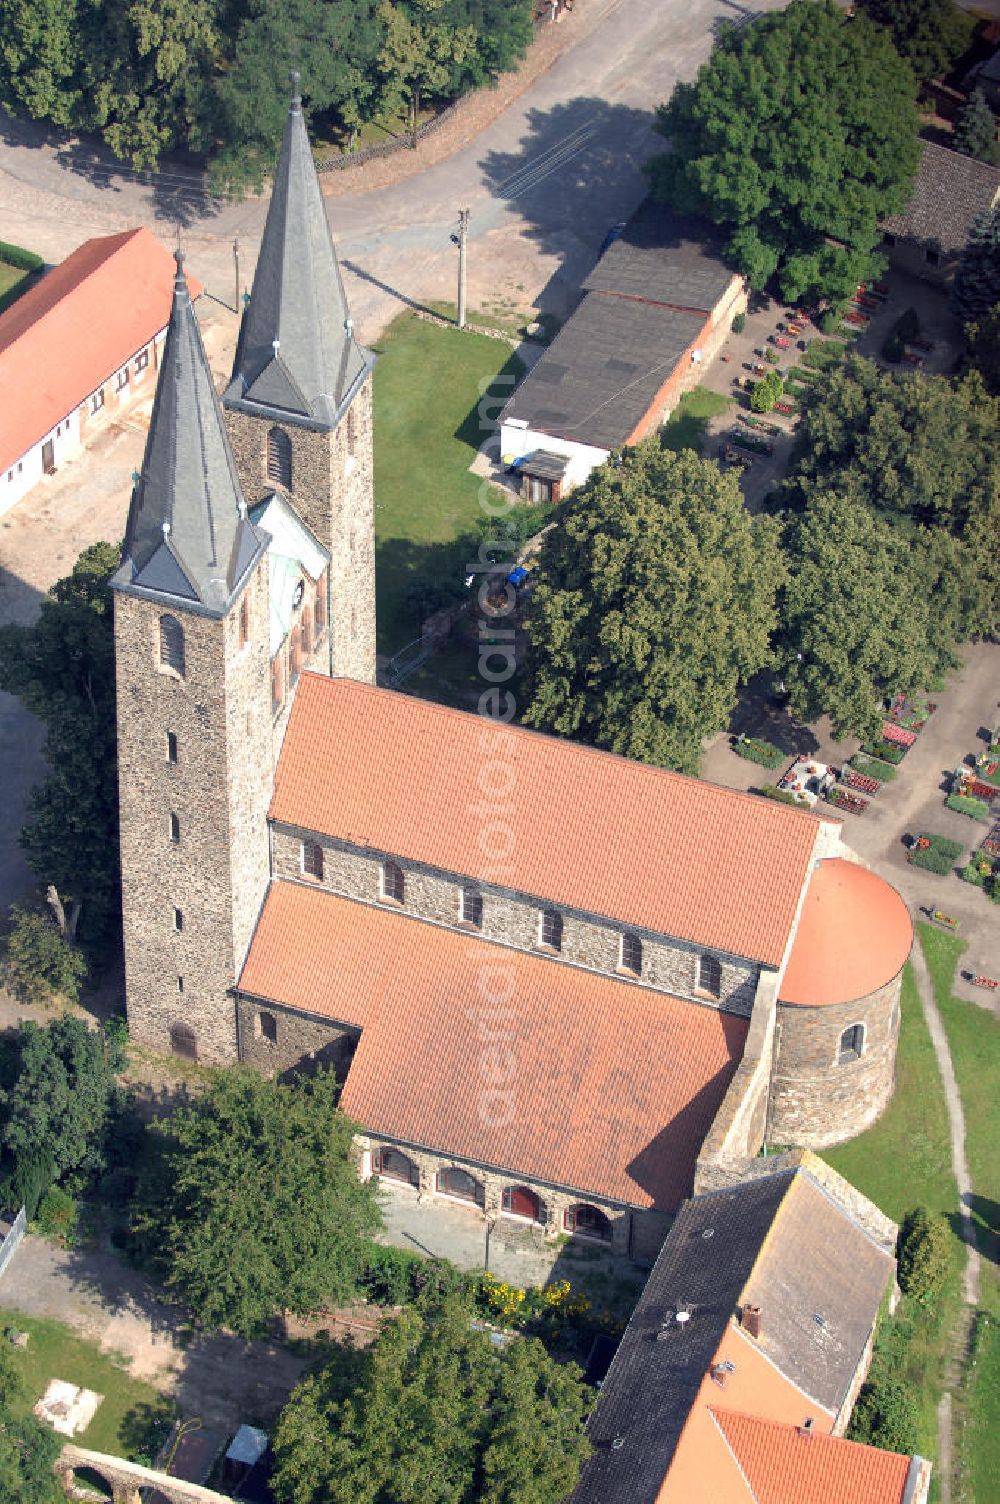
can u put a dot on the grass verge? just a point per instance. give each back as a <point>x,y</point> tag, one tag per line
<point>430,419</point>
<point>903,1161</point>
<point>974,1041</point>
<point>686,426</point>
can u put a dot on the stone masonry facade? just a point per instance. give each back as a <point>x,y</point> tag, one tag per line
<point>195,775</point>
<point>514,919</point>
<point>276,1040</point>
<point>333,492</point>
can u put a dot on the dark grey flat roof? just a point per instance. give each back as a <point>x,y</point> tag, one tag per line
<point>664,257</point>
<point>600,376</point>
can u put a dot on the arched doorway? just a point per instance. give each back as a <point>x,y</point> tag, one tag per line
<point>588,1222</point>
<point>519,1201</point>
<point>183,1041</point>
<point>459,1183</point>
<point>393,1164</point>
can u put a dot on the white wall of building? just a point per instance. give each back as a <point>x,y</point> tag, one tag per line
<point>517,441</point>
<point>26,472</point>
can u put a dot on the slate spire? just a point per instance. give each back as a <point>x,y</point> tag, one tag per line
<point>188,535</point>
<point>297,357</point>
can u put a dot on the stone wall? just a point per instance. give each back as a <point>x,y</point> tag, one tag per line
<point>215,873</point>
<point>816,1101</point>
<point>126,1479</point>
<point>737,1132</point>
<point>333,492</point>
<point>274,1039</point>
<point>512,918</point>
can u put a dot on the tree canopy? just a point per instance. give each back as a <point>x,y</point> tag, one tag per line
<point>976,130</point>
<point>432,1413</point>
<point>930,34</point>
<point>212,75</point>
<point>654,600</point>
<point>976,288</point>
<point>28,1449</point>
<point>983,335</point>
<point>798,133</point>
<point>251,1204</point>
<point>62,667</point>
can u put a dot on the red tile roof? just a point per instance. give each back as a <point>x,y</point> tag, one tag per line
<point>66,335</point>
<point>845,902</point>
<point>782,1466</point>
<point>584,829</point>
<point>567,1077</point>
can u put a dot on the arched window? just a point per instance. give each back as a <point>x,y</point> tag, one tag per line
<point>456,1182</point>
<point>518,1201</point>
<point>279,458</point>
<point>550,929</point>
<point>175,829</point>
<point>631,956</point>
<point>172,644</point>
<point>709,981</point>
<point>852,1044</point>
<point>395,1165</point>
<point>183,1042</point>
<point>393,882</point>
<point>588,1222</point>
<point>312,859</point>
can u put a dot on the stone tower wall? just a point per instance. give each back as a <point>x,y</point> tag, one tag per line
<point>216,873</point>
<point>814,1100</point>
<point>333,492</point>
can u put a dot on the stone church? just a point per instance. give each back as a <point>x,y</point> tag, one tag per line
<point>560,987</point>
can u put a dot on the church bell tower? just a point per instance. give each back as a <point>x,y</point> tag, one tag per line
<point>299,404</point>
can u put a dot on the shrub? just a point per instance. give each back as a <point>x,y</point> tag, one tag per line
<point>935,853</point>
<point>57,1215</point>
<point>978,870</point>
<point>391,1275</point>
<point>976,809</point>
<point>758,751</point>
<point>16,255</point>
<point>830,322</point>
<point>803,374</point>
<point>824,354</point>
<point>886,751</point>
<point>115,1032</point>
<point>769,791</point>
<point>39,962</point>
<point>32,1178</point>
<point>924,1255</point>
<point>885,1415</point>
<point>873,768</point>
<point>739,323</point>
<point>766,392</point>
<point>771,356</point>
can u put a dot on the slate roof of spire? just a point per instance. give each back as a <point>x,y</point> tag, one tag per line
<point>297,357</point>
<point>188,535</point>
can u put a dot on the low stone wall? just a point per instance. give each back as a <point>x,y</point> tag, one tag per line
<point>126,1479</point>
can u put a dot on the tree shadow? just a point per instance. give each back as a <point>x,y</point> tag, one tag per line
<point>761,711</point>
<point>403,571</point>
<point>985,1214</point>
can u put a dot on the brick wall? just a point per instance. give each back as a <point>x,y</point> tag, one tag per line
<point>668,966</point>
<point>816,1101</point>
<point>333,493</point>
<point>216,873</point>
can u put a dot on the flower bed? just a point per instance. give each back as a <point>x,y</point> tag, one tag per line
<point>991,845</point>
<point>900,736</point>
<point>983,871</point>
<point>988,768</point>
<point>756,750</point>
<point>934,853</point>
<point>886,751</point>
<point>912,715</point>
<point>842,798</point>
<point>874,768</point>
<point>748,441</point>
<point>976,809</point>
<point>856,780</point>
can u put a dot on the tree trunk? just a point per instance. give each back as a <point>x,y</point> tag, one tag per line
<point>67,924</point>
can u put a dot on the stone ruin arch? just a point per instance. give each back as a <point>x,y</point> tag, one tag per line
<point>126,1478</point>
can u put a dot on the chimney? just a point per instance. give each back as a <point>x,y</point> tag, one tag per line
<point>806,1428</point>
<point>750,1320</point>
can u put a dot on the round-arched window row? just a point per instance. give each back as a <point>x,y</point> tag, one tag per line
<point>587,1222</point>
<point>520,1201</point>
<point>395,1165</point>
<point>459,1183</point>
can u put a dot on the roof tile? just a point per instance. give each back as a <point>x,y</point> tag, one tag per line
<point>782,1465</point>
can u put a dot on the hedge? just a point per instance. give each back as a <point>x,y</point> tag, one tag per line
<point>758,751</point>
<point>924,1255</point>
<point>939,855</point>
<point>886,751</point>
<point>976,809</point>
<point>873,767</point>
<point>769,791</point>
<point>16,255</point>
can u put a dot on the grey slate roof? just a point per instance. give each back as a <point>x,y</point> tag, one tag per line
<point>297,357</point>
<point>645,302</point>
<point>726,1247</point>
<point>188,536</point>
<point>949,191</point>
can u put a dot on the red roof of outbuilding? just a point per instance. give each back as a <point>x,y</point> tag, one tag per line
<point>499,1056</point>
<point>83,320</point>
<point>570,825</point>
<point>854,936</point>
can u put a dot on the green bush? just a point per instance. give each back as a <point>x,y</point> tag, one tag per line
<point>890,752</point>
<point>939,855</point>
<point>873,768</point>
<point>885,1415</point>
<point>830,322</point>
<point>38,961</point>
<point>766,392</point>
<point>115,1032</point>
<point>803,375</point>
<point>34,1174</point>
<point>16,255</point>
<point>782,796</point>
<point>976,809</point>
<point>771,356</point>
<point>923,1255</point>
<point>395,1277</point>
<point>758,751</point>
<point>739,323</point>
<point>822,355</point>
<point>57,1215</point>
<point>978,870</point>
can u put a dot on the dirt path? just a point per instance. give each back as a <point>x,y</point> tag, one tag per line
<point>971,1272</point>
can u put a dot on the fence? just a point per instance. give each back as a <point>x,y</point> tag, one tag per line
<point>10,1243</point>
<point>343,161</point>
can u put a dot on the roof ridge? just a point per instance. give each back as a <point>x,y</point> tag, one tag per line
<point>737,1331</point>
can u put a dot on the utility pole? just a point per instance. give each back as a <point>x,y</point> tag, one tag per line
<point>463,231</point>
<point>236,262</point>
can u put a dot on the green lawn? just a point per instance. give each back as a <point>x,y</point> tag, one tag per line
<point>685,428</point>
<point>125,1422</point>
<point>429,422</point>
<point>901,1162</point>
<point>13,282</point>
<point>974,1042</point>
